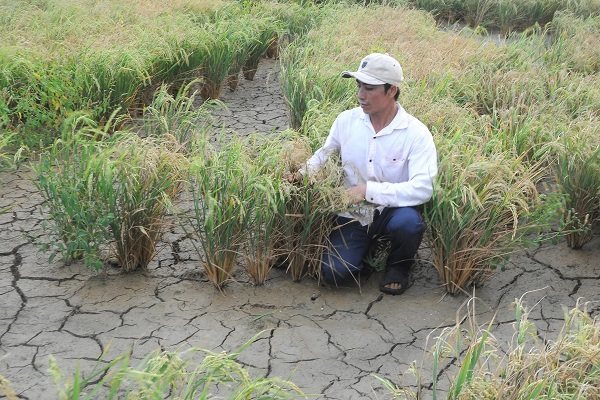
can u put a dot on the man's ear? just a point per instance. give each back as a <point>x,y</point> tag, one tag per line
<point>393,90</point>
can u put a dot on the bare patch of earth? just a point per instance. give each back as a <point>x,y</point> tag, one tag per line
<point>327,341</point>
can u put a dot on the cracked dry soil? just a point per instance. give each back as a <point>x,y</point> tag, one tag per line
<point>328,342</point>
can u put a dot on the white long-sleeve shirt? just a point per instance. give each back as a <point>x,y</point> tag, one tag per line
<point>398,163</point>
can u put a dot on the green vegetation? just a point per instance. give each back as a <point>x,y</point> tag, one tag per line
<point>174,375</point>
<point>505,118</point>
<point>107,92</point>
<point>524,368</point>
<point>578,174</point>
<point>119,191</point>
<point>505,15</point>
<point>60,58</point>
<point>498,114</point>
<point>309,210</point>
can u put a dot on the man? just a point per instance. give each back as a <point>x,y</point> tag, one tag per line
<point>389,161</point>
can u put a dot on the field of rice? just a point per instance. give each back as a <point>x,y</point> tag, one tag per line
<point>111,105</point>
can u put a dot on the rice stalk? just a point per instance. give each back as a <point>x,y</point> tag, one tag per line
<point>219,52</point>
<point>6,389</point>
<point>77,185</point>
<point>266,33</point>
<point>266,206</point>
<point>523,368</point>
<point>577,172</point>
<point>564,367</point>
<point>221,189</point>
<point>479,213</point>
<point>243,40</point>
<point>305,80</point>
<point>148,176</point>
<point>177,116</point>
<point>310,212</point>
<point>175,375</point>
<point>574,42</point>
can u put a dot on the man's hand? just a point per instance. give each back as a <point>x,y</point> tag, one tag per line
<point>292,177</point>
<point>356,194</point>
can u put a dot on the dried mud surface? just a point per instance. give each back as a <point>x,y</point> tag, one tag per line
<point>329,342</point>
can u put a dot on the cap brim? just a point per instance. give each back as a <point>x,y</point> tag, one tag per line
<point>361,76</point>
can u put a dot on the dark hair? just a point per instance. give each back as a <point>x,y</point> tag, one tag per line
<point>387,86</point>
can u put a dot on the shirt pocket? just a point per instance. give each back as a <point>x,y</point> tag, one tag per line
<point>394,168</point>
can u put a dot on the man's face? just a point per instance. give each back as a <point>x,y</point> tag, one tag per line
<point>373,98</point>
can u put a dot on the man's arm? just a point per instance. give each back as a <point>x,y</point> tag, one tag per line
<point>422,170</point>
<point>321,156</point>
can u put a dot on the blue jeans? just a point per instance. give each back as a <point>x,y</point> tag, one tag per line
<point>350,241</point>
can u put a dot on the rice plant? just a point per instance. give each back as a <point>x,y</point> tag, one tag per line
<point>64,58</point>
<point>573,42</point>
<point>94,62</point>
<point>219,52</point>
<point>524,368</point>
<point>480,210</point>
<point>296,19</point>
<point>304,80</point>
<point>244,42</point>
<point>221,186</point>
<point>99,188</point>
<point>147,177</point>
<point>266,206</point>
<point>172,374</point>
<point>577,172</point>
<point>77,185</point>
<point>266,35</point>
<point>6,389</point>
<point>7,156</point>
<point>311,206</point>
<point>177,116</point>
<point>507,15</point>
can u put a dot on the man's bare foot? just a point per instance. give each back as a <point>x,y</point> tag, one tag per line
<point>393,286</point>
<point>395,281</point>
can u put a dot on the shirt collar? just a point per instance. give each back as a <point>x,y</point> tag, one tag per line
<point>400,121</point>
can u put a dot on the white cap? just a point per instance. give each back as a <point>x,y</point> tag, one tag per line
<point>377,69</point>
